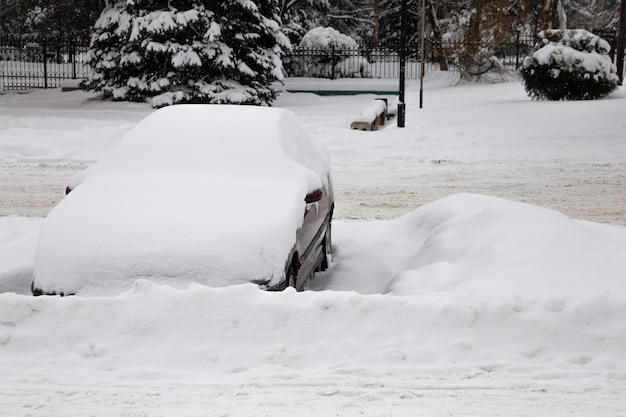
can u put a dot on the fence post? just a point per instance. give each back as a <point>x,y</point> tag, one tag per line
<point>332,62</point>
<point>45,64</point>
<point>73,55</point>
<point>517,49</point>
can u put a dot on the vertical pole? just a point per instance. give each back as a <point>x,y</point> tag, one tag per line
<point>422,56</point>
<point>45,64</point>
<point>401,104</point>
<point>73,58</point>
<point>332,62</point>
<point>620,42</point>
<point>517,49</point>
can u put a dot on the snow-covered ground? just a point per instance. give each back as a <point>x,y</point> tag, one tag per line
<point>479,270</point>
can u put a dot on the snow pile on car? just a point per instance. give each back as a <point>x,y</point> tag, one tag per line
<point>194,193</point>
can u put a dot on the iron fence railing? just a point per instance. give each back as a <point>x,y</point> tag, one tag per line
<point>26,63</point>
<point>361,61</point>
<point>43,63</point>
<point>383,61</point>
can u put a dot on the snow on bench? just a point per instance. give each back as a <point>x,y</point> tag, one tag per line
<point>392,108</point>
<point>371,117</point>
<point>367,120</point>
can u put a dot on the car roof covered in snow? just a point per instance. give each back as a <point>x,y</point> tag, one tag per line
<point>193,193</point>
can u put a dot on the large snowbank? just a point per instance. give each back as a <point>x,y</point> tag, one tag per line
<point>467,305</point>
<point>474,243</point>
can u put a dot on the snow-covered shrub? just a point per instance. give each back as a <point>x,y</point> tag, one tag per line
<point>355,67</point>
<point>569,65</point>
<point>475,63</point>
<point>323,38</point>
<point>209,51</point>
<point>330,53</point>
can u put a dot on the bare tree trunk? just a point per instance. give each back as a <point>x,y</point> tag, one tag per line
<point>621,42</point>
<point>473,38</point>
<point>501,16</point>
<point>552,15</point>
<point>561,15</point>
<point>437,43</point>
<point>376,31</point>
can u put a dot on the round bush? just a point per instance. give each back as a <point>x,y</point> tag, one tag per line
<point>569,65</point>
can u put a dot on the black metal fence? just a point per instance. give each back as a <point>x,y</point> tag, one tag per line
<point>379,61</point>
<point>27,63</point>
<point>44,63</point>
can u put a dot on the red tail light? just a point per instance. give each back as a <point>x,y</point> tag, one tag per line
<point>313,196</point>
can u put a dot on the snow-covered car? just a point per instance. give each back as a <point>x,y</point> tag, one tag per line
<point>213,194</point>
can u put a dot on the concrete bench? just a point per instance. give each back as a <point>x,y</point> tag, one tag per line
<point>371,117</point>
<point>367,120</point>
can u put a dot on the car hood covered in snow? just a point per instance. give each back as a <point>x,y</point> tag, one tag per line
<point>194,193</point>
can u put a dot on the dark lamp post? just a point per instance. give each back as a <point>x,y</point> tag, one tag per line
<point>621,40</point>
<point>401,104</point>
<point>422,56</point>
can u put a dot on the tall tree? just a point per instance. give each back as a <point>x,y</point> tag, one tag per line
<point>390,18</point>
<point>57,18</point>
<point>438,52</point>
<point>621,42</point>
<point>300,16</point>
<point>211,51</point>
<point>355,18</point>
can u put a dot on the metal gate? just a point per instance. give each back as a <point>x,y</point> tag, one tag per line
<point>42,63</point>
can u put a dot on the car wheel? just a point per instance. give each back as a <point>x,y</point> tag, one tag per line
<point>324,262</point>
<point>35,291</point>
<point>326,250</point>
<point>291,277</point>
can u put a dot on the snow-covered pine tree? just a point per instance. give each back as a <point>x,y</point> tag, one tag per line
<point>193,51</point>
<point>299,16</point>
<point>69,19</point>
<point>390,24</point>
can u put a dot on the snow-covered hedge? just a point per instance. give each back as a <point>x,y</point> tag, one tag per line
<point>217,51</point>
<point>321,37</point>
<point>569,65</point>
<point>331,54</point>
